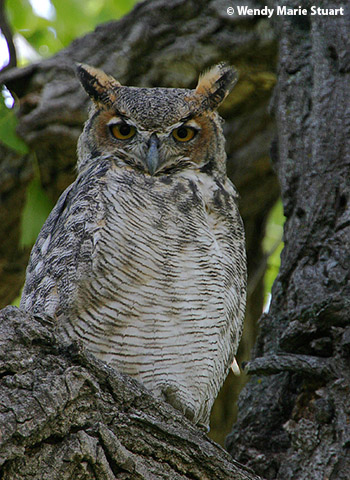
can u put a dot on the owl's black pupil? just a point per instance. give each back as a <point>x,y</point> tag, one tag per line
<point>124,129</point>
<point>182,132</point>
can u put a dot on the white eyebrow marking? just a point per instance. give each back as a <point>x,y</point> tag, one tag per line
<point>190,123</point>
<point>118,120</point>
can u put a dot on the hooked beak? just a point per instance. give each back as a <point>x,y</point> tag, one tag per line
<point>152,157</point>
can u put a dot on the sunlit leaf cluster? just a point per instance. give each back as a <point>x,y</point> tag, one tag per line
<point>48,26</point>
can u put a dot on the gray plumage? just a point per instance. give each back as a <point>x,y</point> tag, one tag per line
<point>143,258</point>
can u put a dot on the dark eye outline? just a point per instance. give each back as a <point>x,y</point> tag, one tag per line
<point>191,133</point>
<point>114,128</point>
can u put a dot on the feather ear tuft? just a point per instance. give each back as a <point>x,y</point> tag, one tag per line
<point>99,86</point>
<point>215,84</point>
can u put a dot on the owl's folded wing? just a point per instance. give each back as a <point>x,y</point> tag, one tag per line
<point>62,255</point>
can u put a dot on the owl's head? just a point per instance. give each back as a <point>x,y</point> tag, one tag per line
<point>155,131</point>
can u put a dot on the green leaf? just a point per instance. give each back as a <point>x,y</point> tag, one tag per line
<point>17,300</point>
<point>35,212</point>
<point>273,245</point>
<point>8,124</point>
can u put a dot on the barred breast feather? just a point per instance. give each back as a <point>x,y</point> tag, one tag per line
<point>141,269</point>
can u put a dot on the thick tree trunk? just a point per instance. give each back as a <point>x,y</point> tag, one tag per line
<point>295,412</point>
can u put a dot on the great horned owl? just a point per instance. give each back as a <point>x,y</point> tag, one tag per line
<point>143,256</point>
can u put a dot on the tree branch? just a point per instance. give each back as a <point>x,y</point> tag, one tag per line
<point>303,364</point>
<point>7,33</point>
<point>75,417</point>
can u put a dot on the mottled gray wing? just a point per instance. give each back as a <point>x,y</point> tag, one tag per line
<point>229,232</point>
<point>62,255</point>
<point>236,303</point>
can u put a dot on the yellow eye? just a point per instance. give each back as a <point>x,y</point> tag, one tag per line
<point>122,131</point>
<point>184,134</point>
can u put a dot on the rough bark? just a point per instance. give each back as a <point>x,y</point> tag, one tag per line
<point>294,413</point>
<point>65,415</point>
